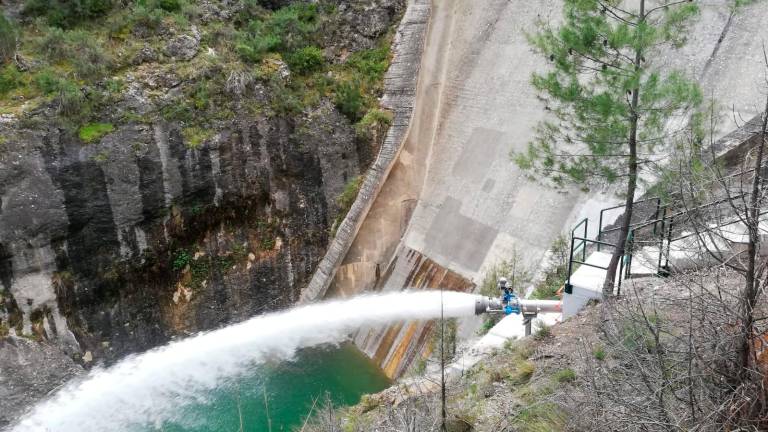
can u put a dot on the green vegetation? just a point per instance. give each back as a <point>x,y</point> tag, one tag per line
<point>554,278</point>
<point>195,136</point>
<point>563,376</point>
<point>181,259</point>
<point>305,60</point>
<point>346,199</point>
<point>608,103</point>
<point>92,132</point>
<point>74,56</point>
<point>599,353</point>
<point>67,13</point>
<point>78,47</point>
<point>543,331</point>
<point>7,40</point>
<point>370,65</point>
<point>349,99</point>
<point>286,30</point>
<point>372,121</point>
<point>522,373</point>
<point>543,417</point>
<point>10,78</point>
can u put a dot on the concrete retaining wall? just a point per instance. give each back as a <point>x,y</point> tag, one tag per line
<point>399,96</point>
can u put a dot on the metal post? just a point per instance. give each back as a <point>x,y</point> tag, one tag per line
<point>656,217</point>
<point>628,252</point>
<point>669,242</point>
<point>621,270</point>
<point>584,242</point>
<point>568,287</point>
<point>600,230</point>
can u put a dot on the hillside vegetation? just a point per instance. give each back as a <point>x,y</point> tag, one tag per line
<point>81,57</point>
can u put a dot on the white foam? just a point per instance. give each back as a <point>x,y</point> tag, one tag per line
<point>149,388</point>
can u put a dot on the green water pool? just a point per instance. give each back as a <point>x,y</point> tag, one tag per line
<point>343,373</point>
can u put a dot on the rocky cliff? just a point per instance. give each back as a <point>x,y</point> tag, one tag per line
<point>190,184</point>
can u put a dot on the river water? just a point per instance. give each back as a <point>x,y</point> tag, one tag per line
<point>342,374</point>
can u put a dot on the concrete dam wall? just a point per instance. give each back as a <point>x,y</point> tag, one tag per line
<point>453,197</point>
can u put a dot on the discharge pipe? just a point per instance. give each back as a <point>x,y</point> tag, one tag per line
<point>493,305</point>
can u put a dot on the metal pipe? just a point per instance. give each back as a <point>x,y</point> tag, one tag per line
<point>487,304</point>
<point>531,306</point>
<point>490,304</point>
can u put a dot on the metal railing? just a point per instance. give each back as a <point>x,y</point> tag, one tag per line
<point>580,244</point>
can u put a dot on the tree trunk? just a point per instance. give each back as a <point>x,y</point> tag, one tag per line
<point>751,281</point>
<point>622,243</point>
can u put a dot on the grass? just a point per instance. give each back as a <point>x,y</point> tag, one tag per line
<point>523,372</point>
<point>599,353</point>
<point>10,79</point>
<point>563,376</point>
<point>195,136</point>
<point>540,417</point>
<point>93,132</point>
<point>345,201</point>
<point>543,331</point>
<point>373,120</point>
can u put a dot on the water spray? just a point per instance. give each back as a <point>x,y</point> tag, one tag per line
<point>151,388</point>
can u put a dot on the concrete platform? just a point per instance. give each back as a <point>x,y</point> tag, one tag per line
<point>587,284</point>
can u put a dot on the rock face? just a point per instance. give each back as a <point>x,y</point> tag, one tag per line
<point>97,239</point>
<point>184,47</point>
<point>161,228</point>
<point>30,371</point>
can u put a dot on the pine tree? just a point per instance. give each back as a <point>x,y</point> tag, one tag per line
<point>609,103</point>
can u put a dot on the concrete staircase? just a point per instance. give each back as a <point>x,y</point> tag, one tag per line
<point>686,251</point>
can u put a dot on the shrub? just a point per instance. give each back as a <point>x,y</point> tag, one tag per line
<point>146,18</point>
<point>287,29</point>
<point>72,102</point>
<point>371,64</point>
<point>294,24</point>
<point>349,100</point>
<point>47,81</point>
<point>181,259</point>
<point>10,78</point>
<point>94,131</point>
<point>305,60</point>
<point>201,96</point>
<point>169,5</point>
<point>7,40</point>
<point>67,13</point>
<point>78,47</point>
<point>372,120</point>
<point>256,43</point>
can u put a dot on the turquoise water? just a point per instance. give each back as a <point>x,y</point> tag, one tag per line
<point>289,387</point>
